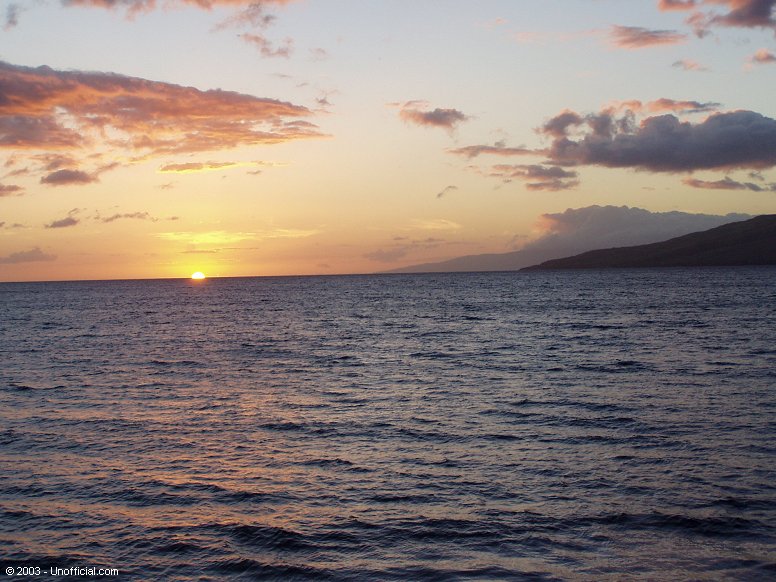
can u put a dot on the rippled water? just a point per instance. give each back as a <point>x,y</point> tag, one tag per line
<point>569,425</point>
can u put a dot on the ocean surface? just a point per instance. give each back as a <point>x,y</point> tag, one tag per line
<point>596,425</point>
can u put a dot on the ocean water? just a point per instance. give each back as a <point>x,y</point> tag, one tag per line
<point>598,425</point>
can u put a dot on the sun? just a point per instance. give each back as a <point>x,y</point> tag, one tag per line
<point>198,275</point>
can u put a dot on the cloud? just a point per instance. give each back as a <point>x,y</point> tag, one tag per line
<point>130,215</point>
<point>738,139</point>
<point>729,184</point>
<point>739,13</point>
<point>498,149</point>
<point>69,220</point>
<point>636,37</point>
<point>222,237</point>
<point>10,190</point>
<point>435,224</point>
<point>666,5</point>
<point>689,65</point>
<point>50,110</point>
<point>136,6</point>
<point>762,57</point>
<point>446,190</point>
<point>67,178</point>
<point>657,106</point>
<point>12,16</point>
<point>745,13</point>
<point>192,167</point>
<point>417,112</point>
<point>537,177</point>
<point>32,256</point>
<point>581,229</point>
<point>266,48</point>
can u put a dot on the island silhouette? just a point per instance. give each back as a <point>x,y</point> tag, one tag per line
<point>749,242</point>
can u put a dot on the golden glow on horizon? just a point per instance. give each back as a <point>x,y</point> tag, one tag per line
<point>198,275</point>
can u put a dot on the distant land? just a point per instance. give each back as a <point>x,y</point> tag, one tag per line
<point>583,229</point>
<point>750,242</point>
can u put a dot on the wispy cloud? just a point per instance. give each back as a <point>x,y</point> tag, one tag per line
<point>32,256</point>
<point>266,48</point>
<point>636,37</point>
<point>253,8</point>
<point>537,177</point>
<point>434,224</point>
<point>498,149</point>
<point>127,215</point>
<point>689,65</point>
<point>10,190</point>
<point>663,105</point>
<point>446,190</point>
<point>728,183</point>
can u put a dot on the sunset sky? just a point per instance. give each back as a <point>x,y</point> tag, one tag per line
<point>146,138</point>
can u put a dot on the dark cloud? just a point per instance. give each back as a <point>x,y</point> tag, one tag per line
<point>636,37</point>
<point>32,256</point>
<point>738,13</point>
<point>537,177</point>
<point>745,13</point>
<point>63,222</point>
<point>417,112</point>
<point>729,184</point>
<point>67,178</point>
<point>738,139</point>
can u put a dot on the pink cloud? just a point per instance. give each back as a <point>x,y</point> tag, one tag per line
<point>69,114</point>
<point>636,37</point>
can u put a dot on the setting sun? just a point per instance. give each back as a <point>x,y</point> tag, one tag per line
<point>198,275</point>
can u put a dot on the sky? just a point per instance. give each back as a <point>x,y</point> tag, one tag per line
<point>155,138</point>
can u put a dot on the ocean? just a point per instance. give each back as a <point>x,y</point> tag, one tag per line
<point>591,425</point>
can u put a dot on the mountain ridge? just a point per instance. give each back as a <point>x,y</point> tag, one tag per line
<point>748,242</point>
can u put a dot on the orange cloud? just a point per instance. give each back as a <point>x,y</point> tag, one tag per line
<point>763,57</point>
<point>665,105</point>
<point>44,109</point>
